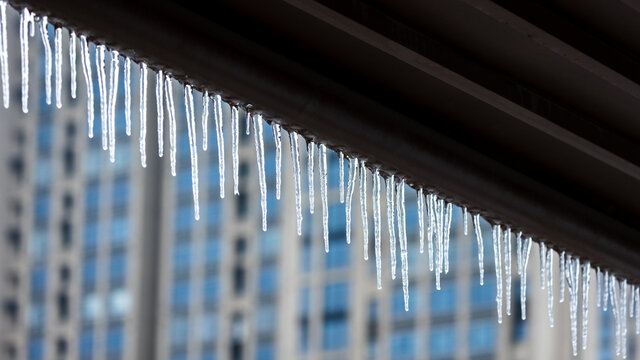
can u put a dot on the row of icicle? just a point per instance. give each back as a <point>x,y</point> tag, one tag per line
<point>434,213</point>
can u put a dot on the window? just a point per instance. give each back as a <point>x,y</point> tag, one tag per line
<point>266,318</point>
<point>182,256</point>
<point>334,330</point>
<point>397,303</point>
<point>115,340</point>
<point>91,307</point>
<point>85,345</point>
<point>482,336</point>
<point>211,289</point>
<point>119,230</point>
<point>118,267</point>
<point>43,172</point>
<point>265,351</point>
<point>180,296</point>
<point>239,279</point>
<point>336,299</point>
<point>483,297</point>
<point>443,301</point>
<point>119,303</point>
<point>179,330</point>
<point>212,252</point>
<point>45,136</point>
<point>36,315</point>
<point>89,271</point>
<point>35,349</point>
<point>184,217</point>
<point>334,334</point>
<point>183,181</point>
<point>338,256</point>
<point>65,233</point>
<point>41,206</point>
<point>92,195</point>
<point>270,242</point>
<point>268,280</point>
<point>403,344</point>
<point>38,245</point>
<point>90,241</point>
<point>38,280</point>
<point>209,327</point>
<point>442,341</point>
<point>213,213</point>
<point>120,192</point>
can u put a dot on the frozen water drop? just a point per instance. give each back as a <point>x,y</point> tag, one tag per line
<point>86,70</point>
<point>507,268</point>
<point>402,234</point>
<point>295,160</point>
<point>543,264</point>
<point>127,95</point>
<point>72,64</point>
<point>259,144</point>
<point>160,112</point>
<point>171,111</point>
<point>113,95</point>
<point>102,87</point>
<point>377,225</point>
<point>390,186</point>
<point>562,278</point>
<point>193,147</point>
<point>420,202</point>
<point>353,177</point>
<point>363,209</point>
<point>143,114</point>
<point>586,277</point>
<point>4,56</point>
<point>465,218</point>
<point>57,43</point>
<point>549,273</point>
<point>205,120</point>
<point>217,112</point>
<point>341,175</point>
<point>27,22</point>
<point>478,231</point>
<point>322,166</point>
<point>44,33</point>
<point>277,139</point>
<point>311,151</point>
<point>235,132</point>
<point>447,235</point>
<point>498,268</point>
<point>526,250</point>
<point>430,228</point>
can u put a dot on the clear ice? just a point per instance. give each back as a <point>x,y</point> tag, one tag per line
<point>88,80</point>
<point>390,186</point>
<point>586,277</point>
<point>353,177</point>
<point>143,115</point>
<point>549,272</point>
<point>377,225</point>
<point>113,95</point>
<point>4,56</point>
<point>341,175</point>
<point>205,120</point>
<point>171,111</point>
<point>311,155</point>
<point>217,112</point>
<point>72,64</point>
<point>295,160</point>
<point>322,166</point>
<point>102,87</point>
<point>420,202</point>
<point>498,267</point>
<point>193,147</point>
<point>277,139</point>
<point>44,34</point>
<point>27,24</point>
<point>57,46</point>
<point>259,143</point>
<point>478,230</point>
<point>363,209</point>
<point>526,250</point>
<point>127,95</point>
<point>507,268</point>
<point>402,234</point>
<point>160,112</point>
<point>235,132</point>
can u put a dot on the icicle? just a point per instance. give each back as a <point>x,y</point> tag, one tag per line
<point>341,176</point>
<point>363,209</point>
<point>235,138</point>
<point>277,139</point>
<point>205,119</point>
<point>526,250</point>
<point>295,161</point>
<point>322,166</point>
<point>127,95</point>
<point>573,282</point>
<point>390,186</point>
<point>586,277</point>
<point>402,234</point>
<point>549,271</point>
<point>439,207</point>
<point>143,115</point>
<point>447,235</point>
<point>543,265</point>
<point>507,267</point>
<point>377,225</point>
<point>44,33</point>
<point>217,103</point>
<point>498,265</point>
<point>465,219</point>
<point>622,310</point>
<point>57,42</point>
<point>160,113</point>
<point>478,230</point>
<point>168,89</point>
<point>562,278</point>
<point>637,308</point>
<point>248,124</point>
<point>632,301</point>
<point>599,286</point>
<point>311,151</point>
<point>26,24</point>
<point>353,177</point>
<point>613,288</point>
<point>102,86</point>
<point>113,95</point>
<point>420,202</point>
<point>4,56</point>
<point>519,252</point>
<point>86,70</point>
<point>430,228</point>
<point>193,147</point>
<point>72,64</point>
<point>259,143</point>
<point>605,298</point>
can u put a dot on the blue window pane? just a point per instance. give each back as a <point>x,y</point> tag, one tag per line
<point>443,301</point>
<point>43,172</point>
<point>123,157</point>
<point>85,345</point>
<point>209,327</point>
<point>273,204</point>
<point>182,256</point>
<point>45,135</point>
<point>265,351</point>
<point>483,297</point>
<point>212,252</point>
<point>403,344</point>
<point>41,206</point>
<point>118,267</point>
<point>180,296</point>
<point>338,256</point>
<point>397,303</point>
<point>270,242</point>
<point>90,239</point>
<point>213,176</point>
<point>183,179</point>
<point>336,298</point>
<point>211,289</point>
<point>270,164</point>
<point>334,334</point>
<point>179,330</point>
<point>337,219</point>
<point>36,348</point>
<point>89,271</point>
<point>92,164</point>
<point>334,170</point>
<point>482,336</point>
<point>184,217</point>
<point>304,302</point>
<point>214,212</point>
<point>119,230</point>
<point>36,315</point>
<point>38,280</point>
<point>38,245</point>
<point>268,280</point>
<point>442,341</point>
<point>115,340</point>
<point>92,196</point>
<point>120,192</point>
<point>266,318</point>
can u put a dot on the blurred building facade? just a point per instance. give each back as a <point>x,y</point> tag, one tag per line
<point>105,261</point>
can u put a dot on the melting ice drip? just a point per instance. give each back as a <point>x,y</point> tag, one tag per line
<point>434,212</point>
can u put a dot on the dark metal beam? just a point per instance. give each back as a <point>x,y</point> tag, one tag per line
<point>434,111</point>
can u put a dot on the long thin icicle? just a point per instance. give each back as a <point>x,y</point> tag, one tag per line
<point>613,289</point>
<point>127,95</point>
<point>322,166</point>
<point>519,251</point>
<point>605,298</point>
<point>622,310</point>
<point>57,43</point>
<point>377,225</point>
<point>205,120</point>
<point>390,186</point>
<point>4,56</point>
<point>113,95</point>
<point>439,206</point>
<point>72,64</point>
<point>235,138</point>
<point>573,282</point>
<point>420,202</point>
<point>549,272</point>
<point>507,268</point>
<point>193,147</point>
<point>44,33</point>
<point>217,103</point>
<point>341,175</point>
<point>478,230</point>
<point>311,151</point>
<point>26,27</point>
<point>526,250</point>
<point>259,143</point>
<point>160,112</point>
<point>402,234</point>
<point>171,111</point>
<point>465,219</point>
<point>143,115</point>
<point>88,80</point>
<point>447,235</point>
<point>498,266</point>
<point>430,228</point>
<point>277,139</point>
<point>636,292</point>
<point>586,277</point>
<point>295,160</point>
<point>363,209</point>
<point>353,177</point>
<point>543,264</point>
<point>599,286</point>
<point>102,87</point>
<point>562,278</point>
